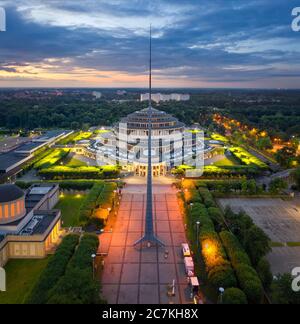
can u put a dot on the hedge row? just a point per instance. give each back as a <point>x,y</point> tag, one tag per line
<point>218,268</point>
<point>77,285</point>
<point>247,276</point>
<point>54,270</point>
<point>81,185</point>
<point>101,195</point>
<point>85,172</point>
<point>207,197</point>
<point>234,296</point>
<point>90,203</point>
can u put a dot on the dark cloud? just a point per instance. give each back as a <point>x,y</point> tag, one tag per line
<point>208,40</point>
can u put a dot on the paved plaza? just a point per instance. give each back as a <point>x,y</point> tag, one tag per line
<point>141,276</point>
<point>281,222</point>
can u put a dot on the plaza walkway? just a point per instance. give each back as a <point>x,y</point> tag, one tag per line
<point>142,276</point>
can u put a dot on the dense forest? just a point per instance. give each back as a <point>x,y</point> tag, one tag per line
<point>279,110</point>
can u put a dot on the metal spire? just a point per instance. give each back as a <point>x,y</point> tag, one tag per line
<point>149,236</point>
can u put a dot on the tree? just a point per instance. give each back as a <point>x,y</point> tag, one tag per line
<point>277,185</point>
<point>286,155</point>
<point>282,292</point>
<point>264,273</point>
<point>264,143</point>
<point>234,296</point>
<point>296,176</point>
<point>257,244</point>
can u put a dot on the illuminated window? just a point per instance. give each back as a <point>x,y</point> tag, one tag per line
<point>1,214</point>
<point>18,207</point>
<point>12,210</point>
<point>6,211</point>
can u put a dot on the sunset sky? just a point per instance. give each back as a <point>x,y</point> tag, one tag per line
<point>104,43</point>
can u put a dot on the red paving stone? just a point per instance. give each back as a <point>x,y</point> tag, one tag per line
<point>141,276</point>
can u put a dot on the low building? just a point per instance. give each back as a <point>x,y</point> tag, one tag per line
<point>29,227</point>
<point>159,97</point>
<point>11,162</point>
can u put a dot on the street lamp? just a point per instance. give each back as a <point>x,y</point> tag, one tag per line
<point>94,259</point>
<point>198,229</point>
<point>221,291</point>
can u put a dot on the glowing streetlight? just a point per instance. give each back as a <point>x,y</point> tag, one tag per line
<point>93,256</point>
<point>198,230</point>
<point>221,291</point>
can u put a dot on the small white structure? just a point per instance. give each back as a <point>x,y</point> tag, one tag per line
<point>159,97</point>
<point>186,250</point>
<point>97,94</point>
<point>189,266</point>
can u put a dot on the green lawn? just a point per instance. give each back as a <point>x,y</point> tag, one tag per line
<point>69,206</point>
<point>226,162</point>
<point>21,278</point>
<point>74,163</point>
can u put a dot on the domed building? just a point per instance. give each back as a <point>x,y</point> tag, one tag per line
<point>12,204</point>
<point>127,144</point>
<point>29,226</point>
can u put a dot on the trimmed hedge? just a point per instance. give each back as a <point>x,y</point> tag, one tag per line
<point>216,216</point>
<point>100,195</point>
<point>248,278</point>
<point>85,172</point>
<point>222,276</point>
<point>250,283</point>
<point>89,205</point>
<point>236,253</point>
<point>234,296</point>
<point>207,197</point>
<point>77,286</point>
<point>54,270</point>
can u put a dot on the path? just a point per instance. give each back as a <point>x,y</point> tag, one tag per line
<point>135,276</point>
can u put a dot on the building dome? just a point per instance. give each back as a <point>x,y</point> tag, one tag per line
<point>159,120</point>
<point>12,204</point>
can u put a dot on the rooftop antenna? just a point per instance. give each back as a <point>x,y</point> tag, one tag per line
<point>149,236</point>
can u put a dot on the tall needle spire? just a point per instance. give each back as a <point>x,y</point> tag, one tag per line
<point>149,236</point>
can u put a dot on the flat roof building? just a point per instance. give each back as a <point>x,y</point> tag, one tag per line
<point>29,227</point>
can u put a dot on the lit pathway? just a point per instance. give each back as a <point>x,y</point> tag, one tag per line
<point>133,276</point>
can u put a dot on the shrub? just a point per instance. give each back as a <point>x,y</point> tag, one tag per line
<point>257,244</point>
<point>77,286</point>
<point>84,172</point>
<point>264,273</point>
<point>212,250</point>
<point>282,292</point>
<point>216,215</point>
<point>222,276</point>
<point>54,270</point>
<point>234,250</point>
<point>192,196</point>
<point>207,197</point>
<point>234,296</point>
<point>250,283</point>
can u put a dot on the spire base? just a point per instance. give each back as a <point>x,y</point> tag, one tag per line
<point>151,240</point>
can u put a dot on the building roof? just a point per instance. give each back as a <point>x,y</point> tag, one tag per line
<point>159,120</point>
<point>9,193</point>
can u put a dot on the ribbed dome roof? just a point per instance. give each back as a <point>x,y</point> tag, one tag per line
<point>10,192</point>
<point>160,119</point>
